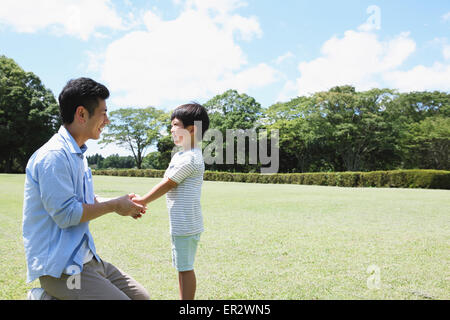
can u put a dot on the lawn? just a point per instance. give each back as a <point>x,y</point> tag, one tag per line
<point>267,241</point>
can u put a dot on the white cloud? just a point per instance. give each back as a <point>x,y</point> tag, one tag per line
<point>446,52</point>
<point>289,91</point>
<point>220,11</point>
<point>79,18</point>
<point>254,77</point>
<point>151,20</point>
<point>247,28</point>
<point>94,61</point>
<point>191,57</point>
<point>288,55</point>
<point>421,78</point>
<point>446,17</point>
<point>424,78</point>
<point>218,6</point>
<point>358,59</point>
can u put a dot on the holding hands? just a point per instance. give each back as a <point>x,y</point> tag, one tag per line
<point>135,206</point>
<point>138,201</point>
<point>126,206</point>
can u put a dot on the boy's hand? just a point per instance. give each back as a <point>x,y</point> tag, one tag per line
<point>137,199</point>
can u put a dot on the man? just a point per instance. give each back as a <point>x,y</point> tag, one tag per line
<point>59,202</point>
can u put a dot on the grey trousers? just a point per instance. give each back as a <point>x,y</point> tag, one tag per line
<point>98,281</point>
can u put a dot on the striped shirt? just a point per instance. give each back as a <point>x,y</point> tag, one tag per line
<point>183,202</point>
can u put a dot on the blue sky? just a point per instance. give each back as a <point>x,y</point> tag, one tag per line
<point>167,52</point>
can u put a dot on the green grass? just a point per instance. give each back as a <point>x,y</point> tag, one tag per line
<point>267,241</point>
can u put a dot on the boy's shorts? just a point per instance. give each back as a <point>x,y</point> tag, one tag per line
<point>183,251</point>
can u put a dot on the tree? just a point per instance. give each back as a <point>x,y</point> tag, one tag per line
<point>116,161</point>
<point>407,113</point>
<point>299,137</point>
<point>135,129</point>
<point>354,123</point>
<point>232,110</point>
<point>160,159</point>
<point>28,115</point>
<point>429,143</point>
<point>95,161</point>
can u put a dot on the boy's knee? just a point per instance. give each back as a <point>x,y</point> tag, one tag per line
<point>186,271</point>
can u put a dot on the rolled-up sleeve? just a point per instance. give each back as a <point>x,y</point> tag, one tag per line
<point>57,190</point>
<point>182,168</point>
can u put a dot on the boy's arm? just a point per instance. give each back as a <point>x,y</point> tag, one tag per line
<point>157,191</point>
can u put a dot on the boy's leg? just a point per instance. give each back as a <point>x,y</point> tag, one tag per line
<point>184,249</point>
<point>188,284</point>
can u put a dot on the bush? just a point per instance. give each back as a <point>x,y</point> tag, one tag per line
<point>428,179</point>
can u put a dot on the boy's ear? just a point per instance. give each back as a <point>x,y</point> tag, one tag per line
<point>191,129</point>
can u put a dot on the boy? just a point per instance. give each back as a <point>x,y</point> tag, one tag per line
<point>182,182</point>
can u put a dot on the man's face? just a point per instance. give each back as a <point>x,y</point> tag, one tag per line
<point>97,121</point>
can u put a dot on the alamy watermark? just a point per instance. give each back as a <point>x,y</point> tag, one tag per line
<point>74,281</point>
<point>374,279</point>
<point>374,21</point>
<point>375,17</point>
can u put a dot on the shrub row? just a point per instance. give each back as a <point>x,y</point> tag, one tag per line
<point>429,179</point>
<point>148,173</point>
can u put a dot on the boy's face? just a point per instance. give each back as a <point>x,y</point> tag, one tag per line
<point>180,134</point>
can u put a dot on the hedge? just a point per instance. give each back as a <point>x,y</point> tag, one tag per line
<point>428,179</point>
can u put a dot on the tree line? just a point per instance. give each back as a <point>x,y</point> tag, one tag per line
<point>336,130</point>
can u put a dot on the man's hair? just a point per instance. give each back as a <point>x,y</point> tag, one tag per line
<point>80,92</point>
<point>190,113</point>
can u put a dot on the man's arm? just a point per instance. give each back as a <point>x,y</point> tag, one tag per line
<point>157,191</point>
<point>61,201</point>
<point>122,205</point>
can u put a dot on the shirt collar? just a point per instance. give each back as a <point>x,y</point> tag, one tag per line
<point>73,146</point>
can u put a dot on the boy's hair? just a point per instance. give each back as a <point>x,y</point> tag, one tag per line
<point>190,113</point>
<point>80,92</point>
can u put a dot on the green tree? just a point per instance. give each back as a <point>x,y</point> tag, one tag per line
<point>116,161</point>
<point>299,137</point>
<point>354,123</point>
<point>96,161</point>
<point>28,115</point>
<point>405,114</point>
<point>232,110</point>
<point>160,159</point>
<point>428,143</point>
<point>135,129</point>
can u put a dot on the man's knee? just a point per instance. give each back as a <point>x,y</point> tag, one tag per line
<point>140,293</point>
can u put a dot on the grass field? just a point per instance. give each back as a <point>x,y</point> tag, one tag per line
<point>267,241</point>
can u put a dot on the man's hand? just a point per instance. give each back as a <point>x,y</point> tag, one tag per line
<point>124,206</point>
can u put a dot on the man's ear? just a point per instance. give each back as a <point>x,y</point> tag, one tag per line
<point>81,114</point>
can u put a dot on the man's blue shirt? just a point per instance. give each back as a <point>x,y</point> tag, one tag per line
<point>58,180</point>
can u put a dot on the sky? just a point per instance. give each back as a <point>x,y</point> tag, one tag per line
<point>164,53</point>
